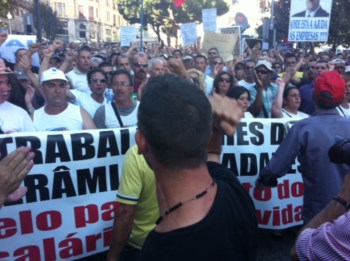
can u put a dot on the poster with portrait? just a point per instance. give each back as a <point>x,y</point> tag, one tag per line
<point>309,20</point>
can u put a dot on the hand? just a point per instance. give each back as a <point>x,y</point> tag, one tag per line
<point>226,113</point>
<point>33,48</point>
<point>25,63</point>
<point>13,169</point>
<point>57,44</point>
<point>71,55</point>
<point>48,52</point>
<point>257,80</point>
<point>28,97</point>
<point>259,185</point>
<point>280,83</point>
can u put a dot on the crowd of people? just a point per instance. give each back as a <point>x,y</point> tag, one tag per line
<point>171,195</point>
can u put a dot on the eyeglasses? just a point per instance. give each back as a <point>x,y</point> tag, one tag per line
<point>212,53</point>
<point>123,64</point>
<point>122,84</point>
<point>248,68</point>
<point>216,62</point>
<point>261,71</point>
<point>139,65</point>
<point>227,80</point>
<point>94,80</point>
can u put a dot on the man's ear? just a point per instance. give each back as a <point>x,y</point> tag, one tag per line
<point>141,142</point>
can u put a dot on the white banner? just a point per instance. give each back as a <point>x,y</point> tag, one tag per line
<point>209,19</point>
<point>309,22</point>
<point>69,208</point>
<point>189,33</point>
<point>127,35</point>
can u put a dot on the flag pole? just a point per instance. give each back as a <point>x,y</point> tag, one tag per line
<point>141,34</point>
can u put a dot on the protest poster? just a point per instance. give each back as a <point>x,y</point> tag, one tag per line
<point>309,20</point>
<point>236,30</point>
<point>127,35</point>
<point>14,42</point>
<point>209,19</point>
<point>188,33</point>
<point>224,42</point>
<point>69,208</point>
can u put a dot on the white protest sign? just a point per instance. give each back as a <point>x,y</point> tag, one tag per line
<point>189,33</point>
<point>209,19</point>
<point>224,42</point>
<point>309,24</point>
<point>127,35</point>
<point>14,42</point>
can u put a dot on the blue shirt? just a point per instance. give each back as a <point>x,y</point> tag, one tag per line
<point>310,140</point>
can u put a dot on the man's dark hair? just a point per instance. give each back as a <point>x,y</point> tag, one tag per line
<point>92,72</point>
<point>323,104</point>
<point>104,64</point>
<point>175,118</point>
<point>201,56</point>
<point>120,72</point>
<point>84,48</point>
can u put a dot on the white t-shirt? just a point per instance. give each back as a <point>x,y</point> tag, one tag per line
<point>247,85</point>
<point>14,119</point>
<point>111,120</point>
<point>287,114</point>
<point>85,101</point>
<point>78,80</point>
<point>247,114</point>
<point>69,119</point>
<point>209,85</point>
<point>345,112</point>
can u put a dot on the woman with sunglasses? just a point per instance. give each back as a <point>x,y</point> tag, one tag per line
<point>223,82</point>
<point>287,103</point>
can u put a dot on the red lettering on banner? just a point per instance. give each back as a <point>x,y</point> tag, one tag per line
<point>43,220</point>
<point>297,189</point>
<point>26,222</point>
<point>85,214</point>
<point>247,186</point>
<point>8,227</point>
<point>27,253</point>
<point>71,246</point>
<point>283,190</point>
<point>107,236</point>
<point>276,216</point>
<point>262,195</point>
<point>49,249</point>
<point>91,241</point>
<point>111,208</point>
<point>263,216</point>
<point>4,254</point>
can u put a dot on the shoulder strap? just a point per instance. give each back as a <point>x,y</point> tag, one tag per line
<point>117,114</point>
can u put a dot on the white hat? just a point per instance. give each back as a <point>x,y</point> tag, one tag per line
<point>337,61</point>
<point>52,74</point>
<point>264,63</point>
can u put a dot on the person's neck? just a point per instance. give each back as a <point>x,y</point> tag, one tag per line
<point>98,97</point>
<point>345,104</point>
<point>123,104</point>
<point>291,110</point>
<point>175,186</point>
<point>82,70</point>
<point>249,79</point>
<point>55,109</point>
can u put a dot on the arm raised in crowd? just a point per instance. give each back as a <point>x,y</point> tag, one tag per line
<point>70,57</point>
<point>276,110</point>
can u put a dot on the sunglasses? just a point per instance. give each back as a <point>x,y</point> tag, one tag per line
<point>225,80</point>
<point>261,71</point>
<point>139,65</point>
<point>94,80</point>
<point>216,62</point>
<point>212,53</point>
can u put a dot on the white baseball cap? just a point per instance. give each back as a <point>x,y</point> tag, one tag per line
<point>52,74</point>
<point>264,63</point>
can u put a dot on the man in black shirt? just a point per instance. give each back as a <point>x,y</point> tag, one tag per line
<point>205,212</point>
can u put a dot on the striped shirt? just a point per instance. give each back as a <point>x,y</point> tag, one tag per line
<point>330,241</point>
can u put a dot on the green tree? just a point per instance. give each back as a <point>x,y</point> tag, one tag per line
<point>50,24</point>
<point>163,16</point>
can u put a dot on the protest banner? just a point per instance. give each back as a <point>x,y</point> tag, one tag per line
<point>188,33</point>
<point>307,25</point>
<point>68,211</point>
<point>236,30</point>
<point>224,42</point>
<point>127,35</point>
<point>209,19</point>
<point>14,42</point>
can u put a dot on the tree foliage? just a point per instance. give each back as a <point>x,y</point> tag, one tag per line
<point>163,16</point>
<point>49,21</point>
<point>339,31</point>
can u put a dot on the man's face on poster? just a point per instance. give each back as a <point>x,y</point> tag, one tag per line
<point>312,5</point>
